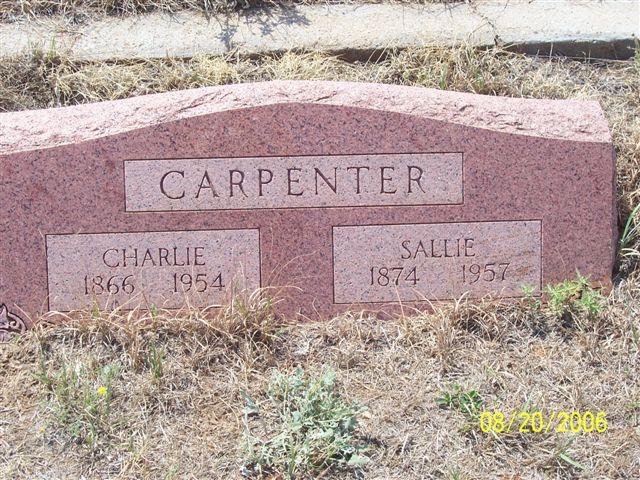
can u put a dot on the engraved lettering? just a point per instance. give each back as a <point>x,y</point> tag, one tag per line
<point>387,263</point>
<point>163,256</point>
<point>262,181</point>
<point>233,183</point>
<point>115,263</point>
<point>295,182</point>
<point>433,250</point>
<point>291,180</point>
<point>405,247</point>
<point>357,169</point>
<point>162,187</point>
<point>163,268</point>
<point>198,256</point>
<point>384,179</point>
<point>204,184</point>
<point>414,179</point>
<point>468,245</point>
<point>333,186</point>
<point>148,257</point>
<point>133,255</point>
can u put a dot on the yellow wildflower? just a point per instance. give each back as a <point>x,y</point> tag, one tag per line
<point>102,391</point>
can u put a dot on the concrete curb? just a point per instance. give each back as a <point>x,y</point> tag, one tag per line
<point>595,28</point>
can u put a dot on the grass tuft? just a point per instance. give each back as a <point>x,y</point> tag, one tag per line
<point>574,296</point>
<point>312,430</point>
<point>80,398</point>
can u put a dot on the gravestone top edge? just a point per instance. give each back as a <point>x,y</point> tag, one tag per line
<point>573,120</point>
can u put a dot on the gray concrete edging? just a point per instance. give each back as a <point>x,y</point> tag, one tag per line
<point>595,28</point>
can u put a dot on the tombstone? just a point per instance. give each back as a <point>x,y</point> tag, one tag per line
<point>334,196</point>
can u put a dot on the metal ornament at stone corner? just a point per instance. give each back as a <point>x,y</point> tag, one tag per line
<point>10,324</point>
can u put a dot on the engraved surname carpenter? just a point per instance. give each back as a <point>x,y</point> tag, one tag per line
<point>290,182</point>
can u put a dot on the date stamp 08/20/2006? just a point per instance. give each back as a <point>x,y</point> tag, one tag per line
<point>496,421</point>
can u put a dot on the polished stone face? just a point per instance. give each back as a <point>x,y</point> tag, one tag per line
<point>436,261</point>
<point>172,269</point>
<point>340,196</point>
<point>293,182</point>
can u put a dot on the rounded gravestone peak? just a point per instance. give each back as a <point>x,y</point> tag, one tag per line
<point>576,120</point>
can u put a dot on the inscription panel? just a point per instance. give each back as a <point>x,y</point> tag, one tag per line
<point>441,261</point>
<point>167,269</point>
<point>293,182</point>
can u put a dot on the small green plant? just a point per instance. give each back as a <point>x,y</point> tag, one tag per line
<point>154,313</point>
<point>530,299</point>
<point>630,234</point>
<point>633,406</point>
<point>562,453</point>
<point>635,335</point>
<point>155,360</point>
<point>95,311</point>
<point>455,473</point>
<point>313,427</point>
<point>469,403</point>
<point>574,296</point>
<point>80,399</point>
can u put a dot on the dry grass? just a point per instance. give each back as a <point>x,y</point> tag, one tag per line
<point>184,418</point>
<point>81,10</point>
<point>187,420</point>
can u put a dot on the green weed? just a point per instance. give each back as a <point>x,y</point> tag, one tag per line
<point>312,431</point>
<point>469,403</point>
<point>80,399</point>
<point>635,335</point>
<point>530,299</point>
<point>563,456</point>
<point>155,361</point>
<point>574,296</point>
<point>95,311</point>
<point>630,234</point>
<point>154,312</point>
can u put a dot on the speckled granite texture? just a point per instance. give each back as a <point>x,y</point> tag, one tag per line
<point>549,162</point>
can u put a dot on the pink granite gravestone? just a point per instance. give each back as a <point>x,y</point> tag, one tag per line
<point>340,196</point>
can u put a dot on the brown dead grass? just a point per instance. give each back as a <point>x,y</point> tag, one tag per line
<point>82,10</point>
<point>188,422</point>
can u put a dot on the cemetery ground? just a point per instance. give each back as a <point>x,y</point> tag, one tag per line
<point>189,395</point>
<point>77,11</point>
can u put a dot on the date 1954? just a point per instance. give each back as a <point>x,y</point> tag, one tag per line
<point>537,422</point>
